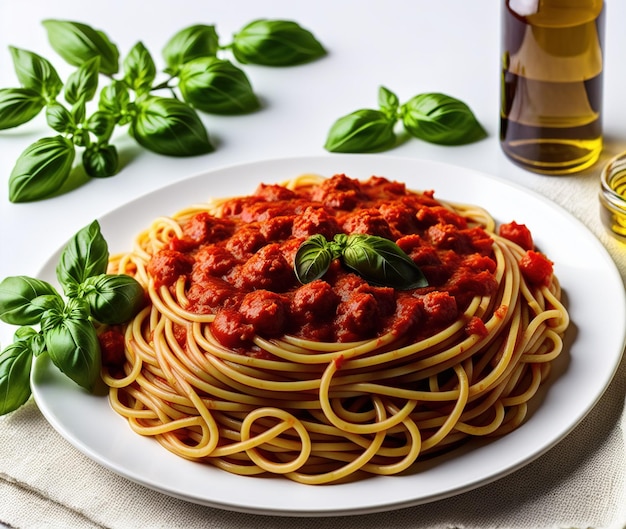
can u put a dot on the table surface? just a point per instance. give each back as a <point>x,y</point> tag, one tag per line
<point>408,46</point>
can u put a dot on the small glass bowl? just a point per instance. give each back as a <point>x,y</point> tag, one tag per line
<point>613,196</point>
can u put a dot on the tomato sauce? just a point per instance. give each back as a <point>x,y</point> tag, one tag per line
<point>240,266</point>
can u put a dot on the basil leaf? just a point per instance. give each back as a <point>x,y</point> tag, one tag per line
<point>33,339</point>
<point>169,126</point>
<point>59,118</point>
<point>83,83</point>
<point>86,254</point>
<point>77,43</point>
<point>15,365</point>
<point>18,106</point>
<point>216,86</point>
<point>139,69</point>
<point>438,118</point>
<point>275,43</point>
<point>112,298</point>
<point>72,343</point>
<point>36,73</point>
<point>101,160</point>
<point>41,169</point>
<point>190,43</point>
<point>115,100</point>
<point>101,123</point>
<point>312,259</point>
<point>365,130</point>
<point>388,103</point>
<point>382,262</point>
<point>17,295</point>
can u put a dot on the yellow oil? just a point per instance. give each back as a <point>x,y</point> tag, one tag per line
<point>613,203</point>
<point>551,90</point>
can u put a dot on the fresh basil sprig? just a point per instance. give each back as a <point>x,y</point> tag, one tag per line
<point>377,260</point>
<point>432,117</point>
<point>194,79</point>
<point>67,326</point>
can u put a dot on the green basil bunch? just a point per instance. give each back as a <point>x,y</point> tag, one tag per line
<point>377,260</point>
<point>432,117</point>
<point>67,326</point>
<point>161,114</point>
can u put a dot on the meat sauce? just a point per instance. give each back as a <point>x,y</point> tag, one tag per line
<point>240,266</point>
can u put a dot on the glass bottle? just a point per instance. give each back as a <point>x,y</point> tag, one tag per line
<point>551,84</point>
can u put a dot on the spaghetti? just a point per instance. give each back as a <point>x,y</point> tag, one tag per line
<point>234,363</point>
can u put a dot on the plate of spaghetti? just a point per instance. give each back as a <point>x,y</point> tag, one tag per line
<point>354,333</point>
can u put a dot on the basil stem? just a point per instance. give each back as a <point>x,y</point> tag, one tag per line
<point>376,259</point>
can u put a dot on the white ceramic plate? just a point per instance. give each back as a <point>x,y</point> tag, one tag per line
<point>594,294</point>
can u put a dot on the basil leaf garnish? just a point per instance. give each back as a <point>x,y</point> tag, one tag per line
<point>17,296</point>
<point>101,123</point>
<point>388,103</point>
<point>113,298</point>
<point>15,367</point>
<point>313,259</point>
<point>77,43</point>
<point>381,261</point>
<point>101,160</point>
<point>376,259</point>
<point>18,106</point>
<point>86,254</point>
<point>216,86</point>
<point>188,44</point>
<point>83,83</point>
<point>36,73</point>
<point>439,118</point>
<point>275,43</point>
<point>115,100</point>
<point>41,169</point>
<point>364,130</point>
<point>139,69</point>
<point>72,343</point>
<point>169,126</point>
<point>59,118</point>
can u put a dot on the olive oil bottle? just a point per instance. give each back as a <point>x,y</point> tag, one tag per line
<point>551,84</point>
